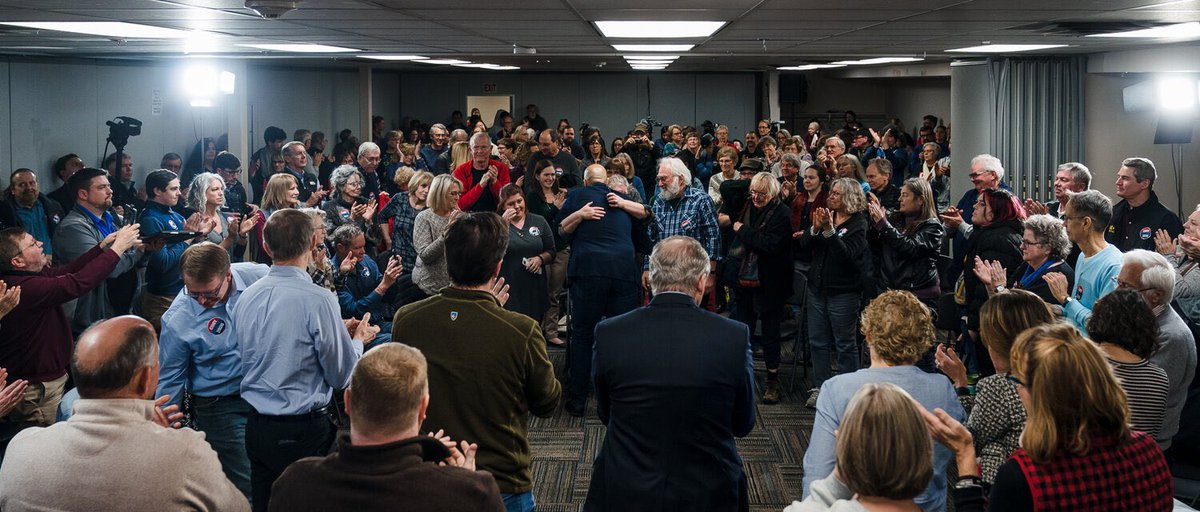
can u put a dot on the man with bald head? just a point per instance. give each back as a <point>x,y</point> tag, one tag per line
<point>118,451</point>
<point>601,225</point>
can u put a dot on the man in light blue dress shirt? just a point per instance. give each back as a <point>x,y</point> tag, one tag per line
<point>198,351</point>
<point>296,351</point>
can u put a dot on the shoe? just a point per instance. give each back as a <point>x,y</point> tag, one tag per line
<point>811,403</point>
<point>771,393</point>
<point>556,341</point>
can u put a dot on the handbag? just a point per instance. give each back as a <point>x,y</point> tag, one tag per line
<point>747,276</point>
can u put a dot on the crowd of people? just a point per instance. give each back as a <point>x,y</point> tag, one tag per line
<point>416,282</point>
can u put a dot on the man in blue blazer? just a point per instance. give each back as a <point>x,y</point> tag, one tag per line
<point>675,386</point>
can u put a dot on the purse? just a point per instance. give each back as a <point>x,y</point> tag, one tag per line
<point>747,276</point>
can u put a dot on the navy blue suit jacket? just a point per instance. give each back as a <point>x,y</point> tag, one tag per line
<point>674,385</point>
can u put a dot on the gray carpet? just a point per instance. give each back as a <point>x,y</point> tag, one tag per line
<point>564,448</point>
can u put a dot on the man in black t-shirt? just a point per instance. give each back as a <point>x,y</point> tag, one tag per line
<point>565,164</point>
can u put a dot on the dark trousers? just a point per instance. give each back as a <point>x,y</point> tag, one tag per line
<point>592,299</point>
<point>753,304</point>
<point>274,442</point>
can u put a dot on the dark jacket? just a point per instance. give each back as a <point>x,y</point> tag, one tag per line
<point>889,197</point>
<point>645,161</point>
<point>403,475</point>
<point>10,219</point>
<point>908,261</point>
<point>489,370</point>
<point>840,263</point>
<point>773,245</point>
<point>671,420</point>
<point>999,241</point>
<point>1134,228</point>
<point>1039,286</point>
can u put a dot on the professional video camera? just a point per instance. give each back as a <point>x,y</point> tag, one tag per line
<point>121,129</point>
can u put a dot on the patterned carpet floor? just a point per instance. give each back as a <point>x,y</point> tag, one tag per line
<point>564,447</point>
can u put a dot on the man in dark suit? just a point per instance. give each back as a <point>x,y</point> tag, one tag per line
<point>674,385</point>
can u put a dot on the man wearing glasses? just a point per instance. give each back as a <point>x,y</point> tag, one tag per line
<point>229,168</point>
<point>1086,216</point>
<point>198,352</point>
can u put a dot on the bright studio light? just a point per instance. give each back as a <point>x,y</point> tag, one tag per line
<point>1177,94</point>
<point>202,83</point>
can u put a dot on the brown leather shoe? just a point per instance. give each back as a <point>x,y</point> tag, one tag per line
<point>771,392</point>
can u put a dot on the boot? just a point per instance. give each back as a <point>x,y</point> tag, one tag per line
<point>771,389</point>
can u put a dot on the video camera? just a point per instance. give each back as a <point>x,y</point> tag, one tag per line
<point>121,129</point>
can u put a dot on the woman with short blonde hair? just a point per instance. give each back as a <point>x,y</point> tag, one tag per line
<point>883,452</point>
<point>429,234</point>
<point>898,329</point>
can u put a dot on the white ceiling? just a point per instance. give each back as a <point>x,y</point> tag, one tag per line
<point>761,34</point>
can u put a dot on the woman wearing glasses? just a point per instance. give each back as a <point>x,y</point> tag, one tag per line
<point>429,234</point>
<point>347,205</point>
<point>1044,245</point>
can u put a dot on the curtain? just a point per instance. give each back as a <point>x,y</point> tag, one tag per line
<point>1037,109</point>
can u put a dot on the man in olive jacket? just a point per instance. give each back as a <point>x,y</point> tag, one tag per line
<point>487,366</point>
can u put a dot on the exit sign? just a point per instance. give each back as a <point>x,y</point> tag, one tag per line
<point>489,87</point>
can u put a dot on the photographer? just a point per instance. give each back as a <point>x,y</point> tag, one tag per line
<point>641,150</point>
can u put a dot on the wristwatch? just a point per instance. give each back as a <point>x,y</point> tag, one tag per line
<point>999,288</point>
<point>967,481</point>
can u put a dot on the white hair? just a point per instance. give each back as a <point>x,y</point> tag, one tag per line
<point>677,264</point>
<point>989,163</point>
<point>367,146</point>
<point>1157,273</point>
<point>678,168</point>
<point>480,135</point>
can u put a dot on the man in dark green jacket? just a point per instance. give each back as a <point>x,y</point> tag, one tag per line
<point>487,366</point>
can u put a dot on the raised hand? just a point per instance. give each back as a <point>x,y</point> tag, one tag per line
<point>1163,243</point>
<point>500,291</point>
<point>949,363</point>
<point>347,264</point>
<point>393,271</point>
<point>125,238</point>
<point>249,222</point>
<point>509,215</point>
<point>952,218</point>
<point>560,198</point>
<point>948,431</point>
<point>1035,208</point>
<point>12,393</point>
<point>1058,286</point>
<point>9,298</point>
<point>365,332</point>
<point>877,212</point>
<point>370,210</point>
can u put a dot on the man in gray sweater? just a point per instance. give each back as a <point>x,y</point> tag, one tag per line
<point>1150,274</point>
<point>119,443</point>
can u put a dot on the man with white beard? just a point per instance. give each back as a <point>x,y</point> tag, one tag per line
<point>683,210</point>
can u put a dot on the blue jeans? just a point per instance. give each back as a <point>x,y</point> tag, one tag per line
<point>518,502</point>
<point>832,325</point>
<point>223,421</point>
<point>592,299</point>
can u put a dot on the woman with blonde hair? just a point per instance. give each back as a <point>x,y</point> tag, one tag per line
<point>402,211</point>
<point>910,244</point>
<point>429,234</point>
<point>625,163</point>
<point>282,191</point>
<point>899,330</point>
<point>849,166</point>
<point>460,153</point>
<point>727,161</point>
<point>997,417</point>
<point>1078,451</point>
<point>884,455</point>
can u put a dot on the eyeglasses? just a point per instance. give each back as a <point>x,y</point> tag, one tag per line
<point>354,183</point>
<point>977,174</point>
<point>213,295</point>
<point>1127,286</point>
<point>1013,379</point>
<point>31,244</point>
<point>756,193</point>
<point>1029,243</point>
<point>454,193</point>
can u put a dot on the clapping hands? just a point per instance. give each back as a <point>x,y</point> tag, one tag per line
<point>462,455</point>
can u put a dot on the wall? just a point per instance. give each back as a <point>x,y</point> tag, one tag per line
<point>290,98</point>
<point>1111,135</point>
<point>970,116</point>
<point>910,99</point>
<point>875,99</point>
<point>612,102</point>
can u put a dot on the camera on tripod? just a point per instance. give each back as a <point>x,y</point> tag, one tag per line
<point>121,129</point>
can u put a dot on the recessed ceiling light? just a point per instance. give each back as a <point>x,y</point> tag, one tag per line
<point>443,61</point>
<point>648,66</point>
<point>1005,48</point>
<point>391,57</point>
<point>653,47</point>
<point>650,57</point>
<point>650,62</point>
<point>810,67</point>
<point>658,29</point>
<point>301,48</point>
<point>502,68</point>
<point>115,29</point>
<point>1178,30</point>
<point>878,60</point>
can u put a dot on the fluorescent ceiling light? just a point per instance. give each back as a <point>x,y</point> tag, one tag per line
<point>653,47</point>
<point>391,57</point>
<point>648,66</point>
<point>633,58</point>
<point>1005,48</point>
<point>115,29</point>
<point>658,29</point>
<point>878,60</point>
<point>1178,30</point>
<point>443,61</point>
<point>650,62</point>
<point>502,68</point>
<point>810,67</point>
<point>301,48</point>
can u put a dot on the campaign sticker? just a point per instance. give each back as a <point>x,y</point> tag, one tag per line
<point>216,326</point>
<point>1078,292</point>
<point>1146,233</point>
<point>533,230</point>
<point>685,223</point>
<point>172,224</point>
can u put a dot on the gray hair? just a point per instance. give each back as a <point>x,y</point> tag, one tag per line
<point>883,165</point>
<point>990,163</point>
<point>1079,173</point>
<point>1094,205</point>
<point>458,134</point>
<point>677,168</point>
<point>340,176</point>
<point>852,194</point>
<point>197,191</point>
<point>480,135</point>
<point>837,141</point>
<point>316,213</point>
<point>1157,272</point>
<point>293,144</point>
<point>345,234</point>
<point>367,146</point>
<point>1143,168</point>
<point>1050,230</point>
<point>677,264</point>
<point>934,144</point>
<point>795,160</point>
<point>437,126</point>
